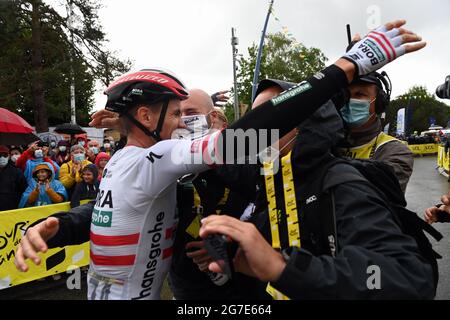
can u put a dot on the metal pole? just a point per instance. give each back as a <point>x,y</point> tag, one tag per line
<point>73,117</point>
<point>261,46</point>
<point>234,43</point>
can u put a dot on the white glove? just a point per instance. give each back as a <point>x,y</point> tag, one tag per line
<point>377,49</point>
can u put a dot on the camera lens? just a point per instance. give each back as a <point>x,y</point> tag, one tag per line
<point>440,91</point>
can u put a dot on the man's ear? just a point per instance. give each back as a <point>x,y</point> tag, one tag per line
<point>143,114</point>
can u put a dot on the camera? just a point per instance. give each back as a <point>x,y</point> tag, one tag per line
<point>443,91</point>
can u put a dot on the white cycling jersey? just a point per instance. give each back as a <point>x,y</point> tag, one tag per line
<point>134,218</point>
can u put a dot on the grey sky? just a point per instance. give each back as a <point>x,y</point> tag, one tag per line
<point>192,38</point>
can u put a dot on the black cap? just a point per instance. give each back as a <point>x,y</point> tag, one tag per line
<point>267,83</point>
<point>372,78</point>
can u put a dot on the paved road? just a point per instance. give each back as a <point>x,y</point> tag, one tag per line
<point>424,190</point>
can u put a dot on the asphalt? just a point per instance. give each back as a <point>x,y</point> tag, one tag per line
<point>424,190</point>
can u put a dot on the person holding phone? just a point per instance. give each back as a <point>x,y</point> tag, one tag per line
<point>36,154</point>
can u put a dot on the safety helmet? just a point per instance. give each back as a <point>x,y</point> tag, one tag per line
<point>147,86</point>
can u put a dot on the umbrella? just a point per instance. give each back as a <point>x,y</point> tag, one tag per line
<point>17,139</point>
<point>69,128</point>
<point>13,123</point>
<point>14,130</point>
<point>49,137</point>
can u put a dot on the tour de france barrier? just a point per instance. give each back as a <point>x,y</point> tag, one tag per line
<point>424,149</point>
<point>13,224</point>
<point>443,160</point>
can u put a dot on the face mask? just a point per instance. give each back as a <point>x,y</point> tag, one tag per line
<point>107,145</point>
<point>39,154</point>
<point>62,148</point>
<point>356,112</point>
<point>197,124</point>
<point>94,150</point>
<point>79,157</point>
<point>52,144</point>
<point>4,161</point>
<point>14,158</point>
<point>81,143</point>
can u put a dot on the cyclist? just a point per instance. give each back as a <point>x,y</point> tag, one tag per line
<point>134,214</point>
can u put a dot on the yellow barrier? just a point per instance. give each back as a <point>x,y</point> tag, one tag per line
<point>13,224</point>
<point>443,159</point>
<point>423,149</point>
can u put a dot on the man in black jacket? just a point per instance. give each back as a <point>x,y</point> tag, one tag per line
<point>12,182</point>
<point>294,260</point>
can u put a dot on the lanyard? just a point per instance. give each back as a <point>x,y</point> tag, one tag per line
<point>290,204</point>
<point>194,228</point>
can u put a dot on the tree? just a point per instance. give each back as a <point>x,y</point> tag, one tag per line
<point>283,58</point>
<point>420,105</point>
<point>42,51</point>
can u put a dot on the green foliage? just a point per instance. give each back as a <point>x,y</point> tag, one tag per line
<point>85,56</point>
<point>422,105</point>
<point>282,59</point>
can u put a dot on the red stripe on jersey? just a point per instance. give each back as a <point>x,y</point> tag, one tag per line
<point>387,41</point>
<point>170,232</point>
<point>113,260</point>
<point>167,253</point>
<point>110,241</point>
<point>382,45</point>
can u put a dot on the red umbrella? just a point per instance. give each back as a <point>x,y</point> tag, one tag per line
<point>12,123</point>
<point>14,130</point>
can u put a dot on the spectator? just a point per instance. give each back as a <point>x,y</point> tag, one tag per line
<point>62,155</point>
<point>34,155</point>
<point>88,188</point>
<point>108,147</point>
<point>221,97</point>
<point>101,161</point>
<point>92,150</point>
<point>53,148</point>
<point>12,182</point>
<point>82,141</point>
<point>221,117</point>
<point>70,171</point>
<point>43,189</point>
<point>14,153</point>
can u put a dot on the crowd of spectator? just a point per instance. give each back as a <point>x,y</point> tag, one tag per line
<point>45,173</point>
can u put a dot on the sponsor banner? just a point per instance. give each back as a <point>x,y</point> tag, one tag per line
<point>13,224</point>
<point>401,121</point>
<point>424,149</point>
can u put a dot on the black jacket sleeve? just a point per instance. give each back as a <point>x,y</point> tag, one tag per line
<point>21,182</point>
<point>289,109</point>
<point>368,237</point>
<point>74,226</point>
<point>76,195</point>
<point>443,217</point>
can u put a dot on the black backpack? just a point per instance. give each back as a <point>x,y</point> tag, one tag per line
<point>383,179</point>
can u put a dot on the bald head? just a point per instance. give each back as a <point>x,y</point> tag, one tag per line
<point>199,102</point>
<point>266,95</point>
